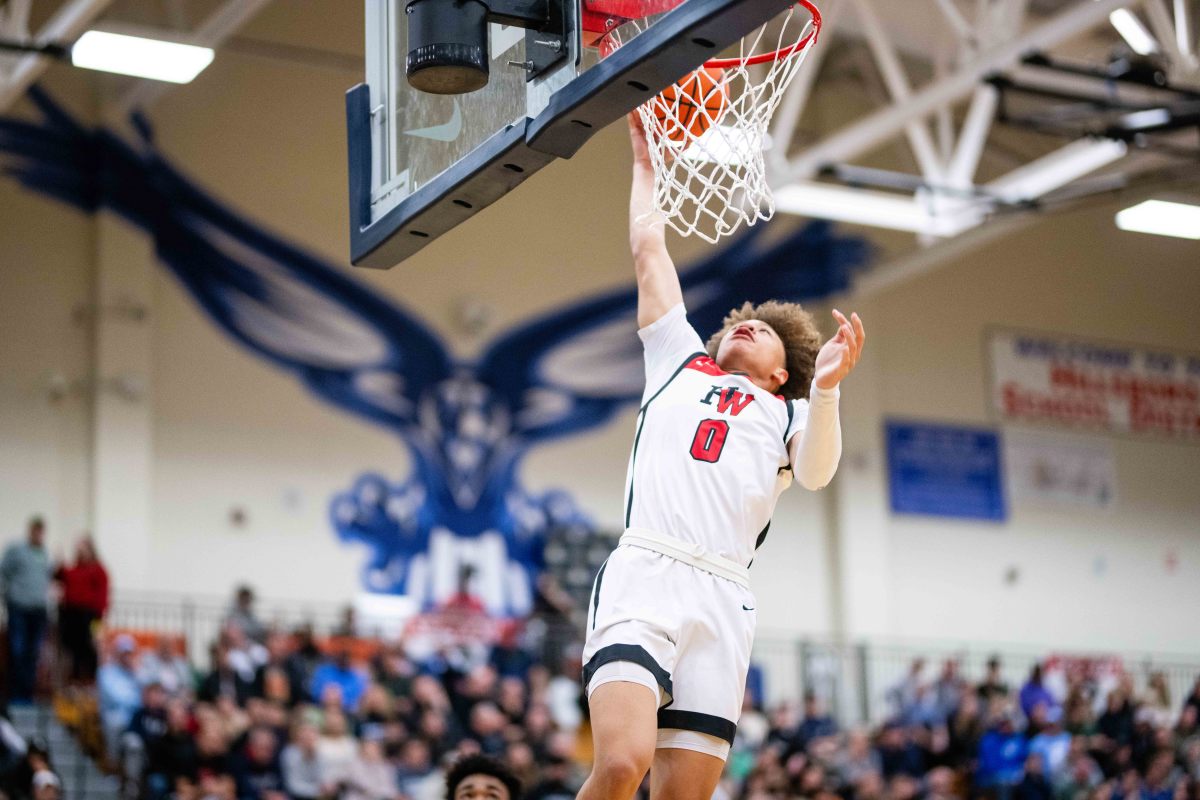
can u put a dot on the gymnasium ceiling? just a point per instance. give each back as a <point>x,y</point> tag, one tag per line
<point>328,35</point>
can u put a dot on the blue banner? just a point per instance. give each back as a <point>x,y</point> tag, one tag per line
<point>945,471</point>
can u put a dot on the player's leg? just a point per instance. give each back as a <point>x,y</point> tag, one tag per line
<point>628,658</point>
<point>698,728</point>
<point>684,774</point>
<point>624,731</point>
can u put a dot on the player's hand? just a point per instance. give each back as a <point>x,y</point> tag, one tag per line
<point>839,355</point>
<point>637,136</point>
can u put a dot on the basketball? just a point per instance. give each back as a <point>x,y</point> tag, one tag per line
<point>691,105</point>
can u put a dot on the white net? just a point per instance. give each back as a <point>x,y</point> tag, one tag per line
<point>708,132</point>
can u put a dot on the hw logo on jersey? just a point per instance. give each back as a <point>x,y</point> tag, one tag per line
<point>710,436</point>
<point>729,400</point>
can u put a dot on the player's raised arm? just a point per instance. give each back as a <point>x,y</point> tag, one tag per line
<point>657,280</point>
<point>816,450</point>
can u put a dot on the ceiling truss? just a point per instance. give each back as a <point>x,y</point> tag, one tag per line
<point>944,199</point>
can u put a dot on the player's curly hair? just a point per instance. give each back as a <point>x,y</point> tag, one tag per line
<point>481,765</point>
<point>797,330</point>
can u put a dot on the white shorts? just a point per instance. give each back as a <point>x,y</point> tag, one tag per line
<point>682,632</point>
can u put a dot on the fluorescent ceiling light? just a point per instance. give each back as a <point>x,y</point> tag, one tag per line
<point>1163,218</point>
<point>140,57</point>
<point>1133,32</point>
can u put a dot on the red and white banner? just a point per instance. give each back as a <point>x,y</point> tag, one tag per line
<point>1098,386</point>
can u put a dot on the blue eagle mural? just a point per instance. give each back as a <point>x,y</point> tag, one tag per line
<point>467,424</point>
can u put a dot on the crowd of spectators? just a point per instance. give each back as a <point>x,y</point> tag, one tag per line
<point>276,716</point>
<point>1088,734</point>
<point>281,715</point>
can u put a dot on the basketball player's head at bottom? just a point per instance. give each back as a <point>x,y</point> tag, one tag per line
<point>478,777</point>
<point>775,344</point>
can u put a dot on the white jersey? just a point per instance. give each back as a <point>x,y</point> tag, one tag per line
<point>710,456</point>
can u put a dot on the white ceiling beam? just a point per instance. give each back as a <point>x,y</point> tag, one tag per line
<point>67,25</point>
<point>1055,170</point>
<point>892,72</point>
<point>1183,29</point>
<point>787,117</point>
<point>1014,16</point>
<point>957,21</point>
<point>973,136</point>
<point>223,23</point>
<point>14,18</point>
<point>870,207</point>
<point>14,26</point>
<point>877,128</point>
<point>945,115</point>
<point>1163,27</point>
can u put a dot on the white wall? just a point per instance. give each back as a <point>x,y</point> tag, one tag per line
<point>1073,274</point>
<point>230,431</point>
<point>45,349</point>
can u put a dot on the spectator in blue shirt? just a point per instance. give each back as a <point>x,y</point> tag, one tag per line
<point>948,690</point>
<point>120,692</point>
<point>1052,744</point>
<point>1002,754</point>
<point>25,573</point>
<point>816,723</point>
<point>340,672</point>
<point>923,711</point>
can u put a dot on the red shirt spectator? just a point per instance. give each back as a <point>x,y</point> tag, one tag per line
<point>84,586</point>
<point>84,601</point>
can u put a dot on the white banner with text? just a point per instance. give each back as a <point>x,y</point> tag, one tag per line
<point>1120,389</point>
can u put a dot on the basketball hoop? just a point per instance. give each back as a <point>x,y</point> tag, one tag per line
<point>707,133</point>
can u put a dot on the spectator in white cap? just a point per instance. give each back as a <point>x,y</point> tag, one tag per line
<point>120,692</point>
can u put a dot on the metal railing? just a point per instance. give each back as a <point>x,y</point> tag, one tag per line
<point>854,678</point>
<point>199,619</point>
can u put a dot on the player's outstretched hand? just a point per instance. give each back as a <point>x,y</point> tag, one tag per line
<point>839,355</point>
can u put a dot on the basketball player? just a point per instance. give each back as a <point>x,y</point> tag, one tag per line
<point>481,777</point>
<point>723,430</point>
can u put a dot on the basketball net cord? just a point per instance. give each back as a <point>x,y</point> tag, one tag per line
<point>708,157</point>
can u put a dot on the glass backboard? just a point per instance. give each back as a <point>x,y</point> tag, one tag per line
<point>421,164</point>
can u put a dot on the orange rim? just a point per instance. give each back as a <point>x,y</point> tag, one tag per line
<point>782,53</point>
<point>637,9</point>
